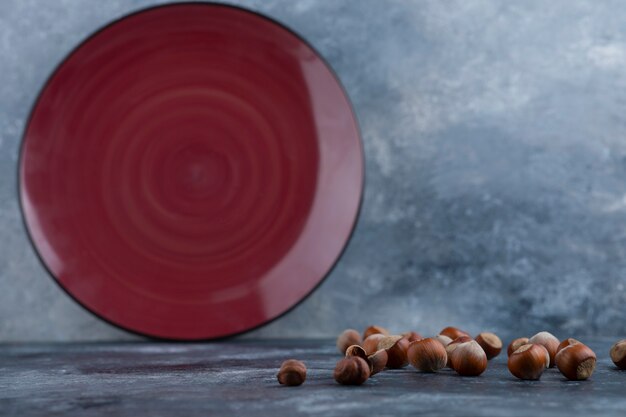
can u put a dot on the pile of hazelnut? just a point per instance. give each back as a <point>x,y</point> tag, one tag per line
<point>453,348</point>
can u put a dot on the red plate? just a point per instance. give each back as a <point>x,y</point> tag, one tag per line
<point>191,171</point>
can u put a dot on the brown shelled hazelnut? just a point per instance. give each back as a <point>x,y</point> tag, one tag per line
<point>291,373</point>
<point>444,340</point>
<point>565,343</point>
<point>378,361</point>
<point>427,355</point>
<point>412,336</point>
<point>491,344</point>
<point>453,345</point>
<point>375,330</point>
<point>528,361</point>
<point>396,347</point>
<point>576,362</point>
<point>352,371</point>
<point>453,332</point>
<point>548,341</point>
<point>370,344</point>
<point>347,338</point>
<point>618,354</point>
<point>516,344</point>
<point>469,359</point>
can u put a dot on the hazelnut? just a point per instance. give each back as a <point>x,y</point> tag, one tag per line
<point>396,347</point>
<point>618,354</point>
<point>375,330</point>
<point>377,361</point>
<point>412,336</point>
<point>291,373</point>
<point>469,359</point>
<point>528,361</point>
<point>516,344</point>
<point>491,344</point>
<point>444,340</point>
<point>427,355</point>
<point>453,333</point>
<point>352,371</point>
<point>370,344</point>
<point>347,338</point>
<point>453,345</point>
<point>576,362</point>
<point>565,343</point>
<point>548,341</point>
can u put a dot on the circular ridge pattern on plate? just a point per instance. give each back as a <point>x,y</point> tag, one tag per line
<point>191,171</point>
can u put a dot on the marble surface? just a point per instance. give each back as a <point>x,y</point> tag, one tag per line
<point>239,378</point>
<point>495,138</point>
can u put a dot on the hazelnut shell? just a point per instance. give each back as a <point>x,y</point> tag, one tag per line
<point>396,347</point>
<point>356,350</point>
<point>377,361</point>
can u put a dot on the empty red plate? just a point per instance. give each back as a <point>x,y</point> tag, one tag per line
<point>191,171</point>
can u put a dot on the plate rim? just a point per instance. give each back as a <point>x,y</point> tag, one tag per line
<point>104,27</point>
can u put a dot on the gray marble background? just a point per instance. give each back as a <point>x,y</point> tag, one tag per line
<point>495,138</point>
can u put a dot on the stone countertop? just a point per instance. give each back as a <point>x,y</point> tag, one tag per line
<point>239,378</point>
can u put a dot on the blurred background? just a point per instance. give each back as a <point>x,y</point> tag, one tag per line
<point>495,140</point>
